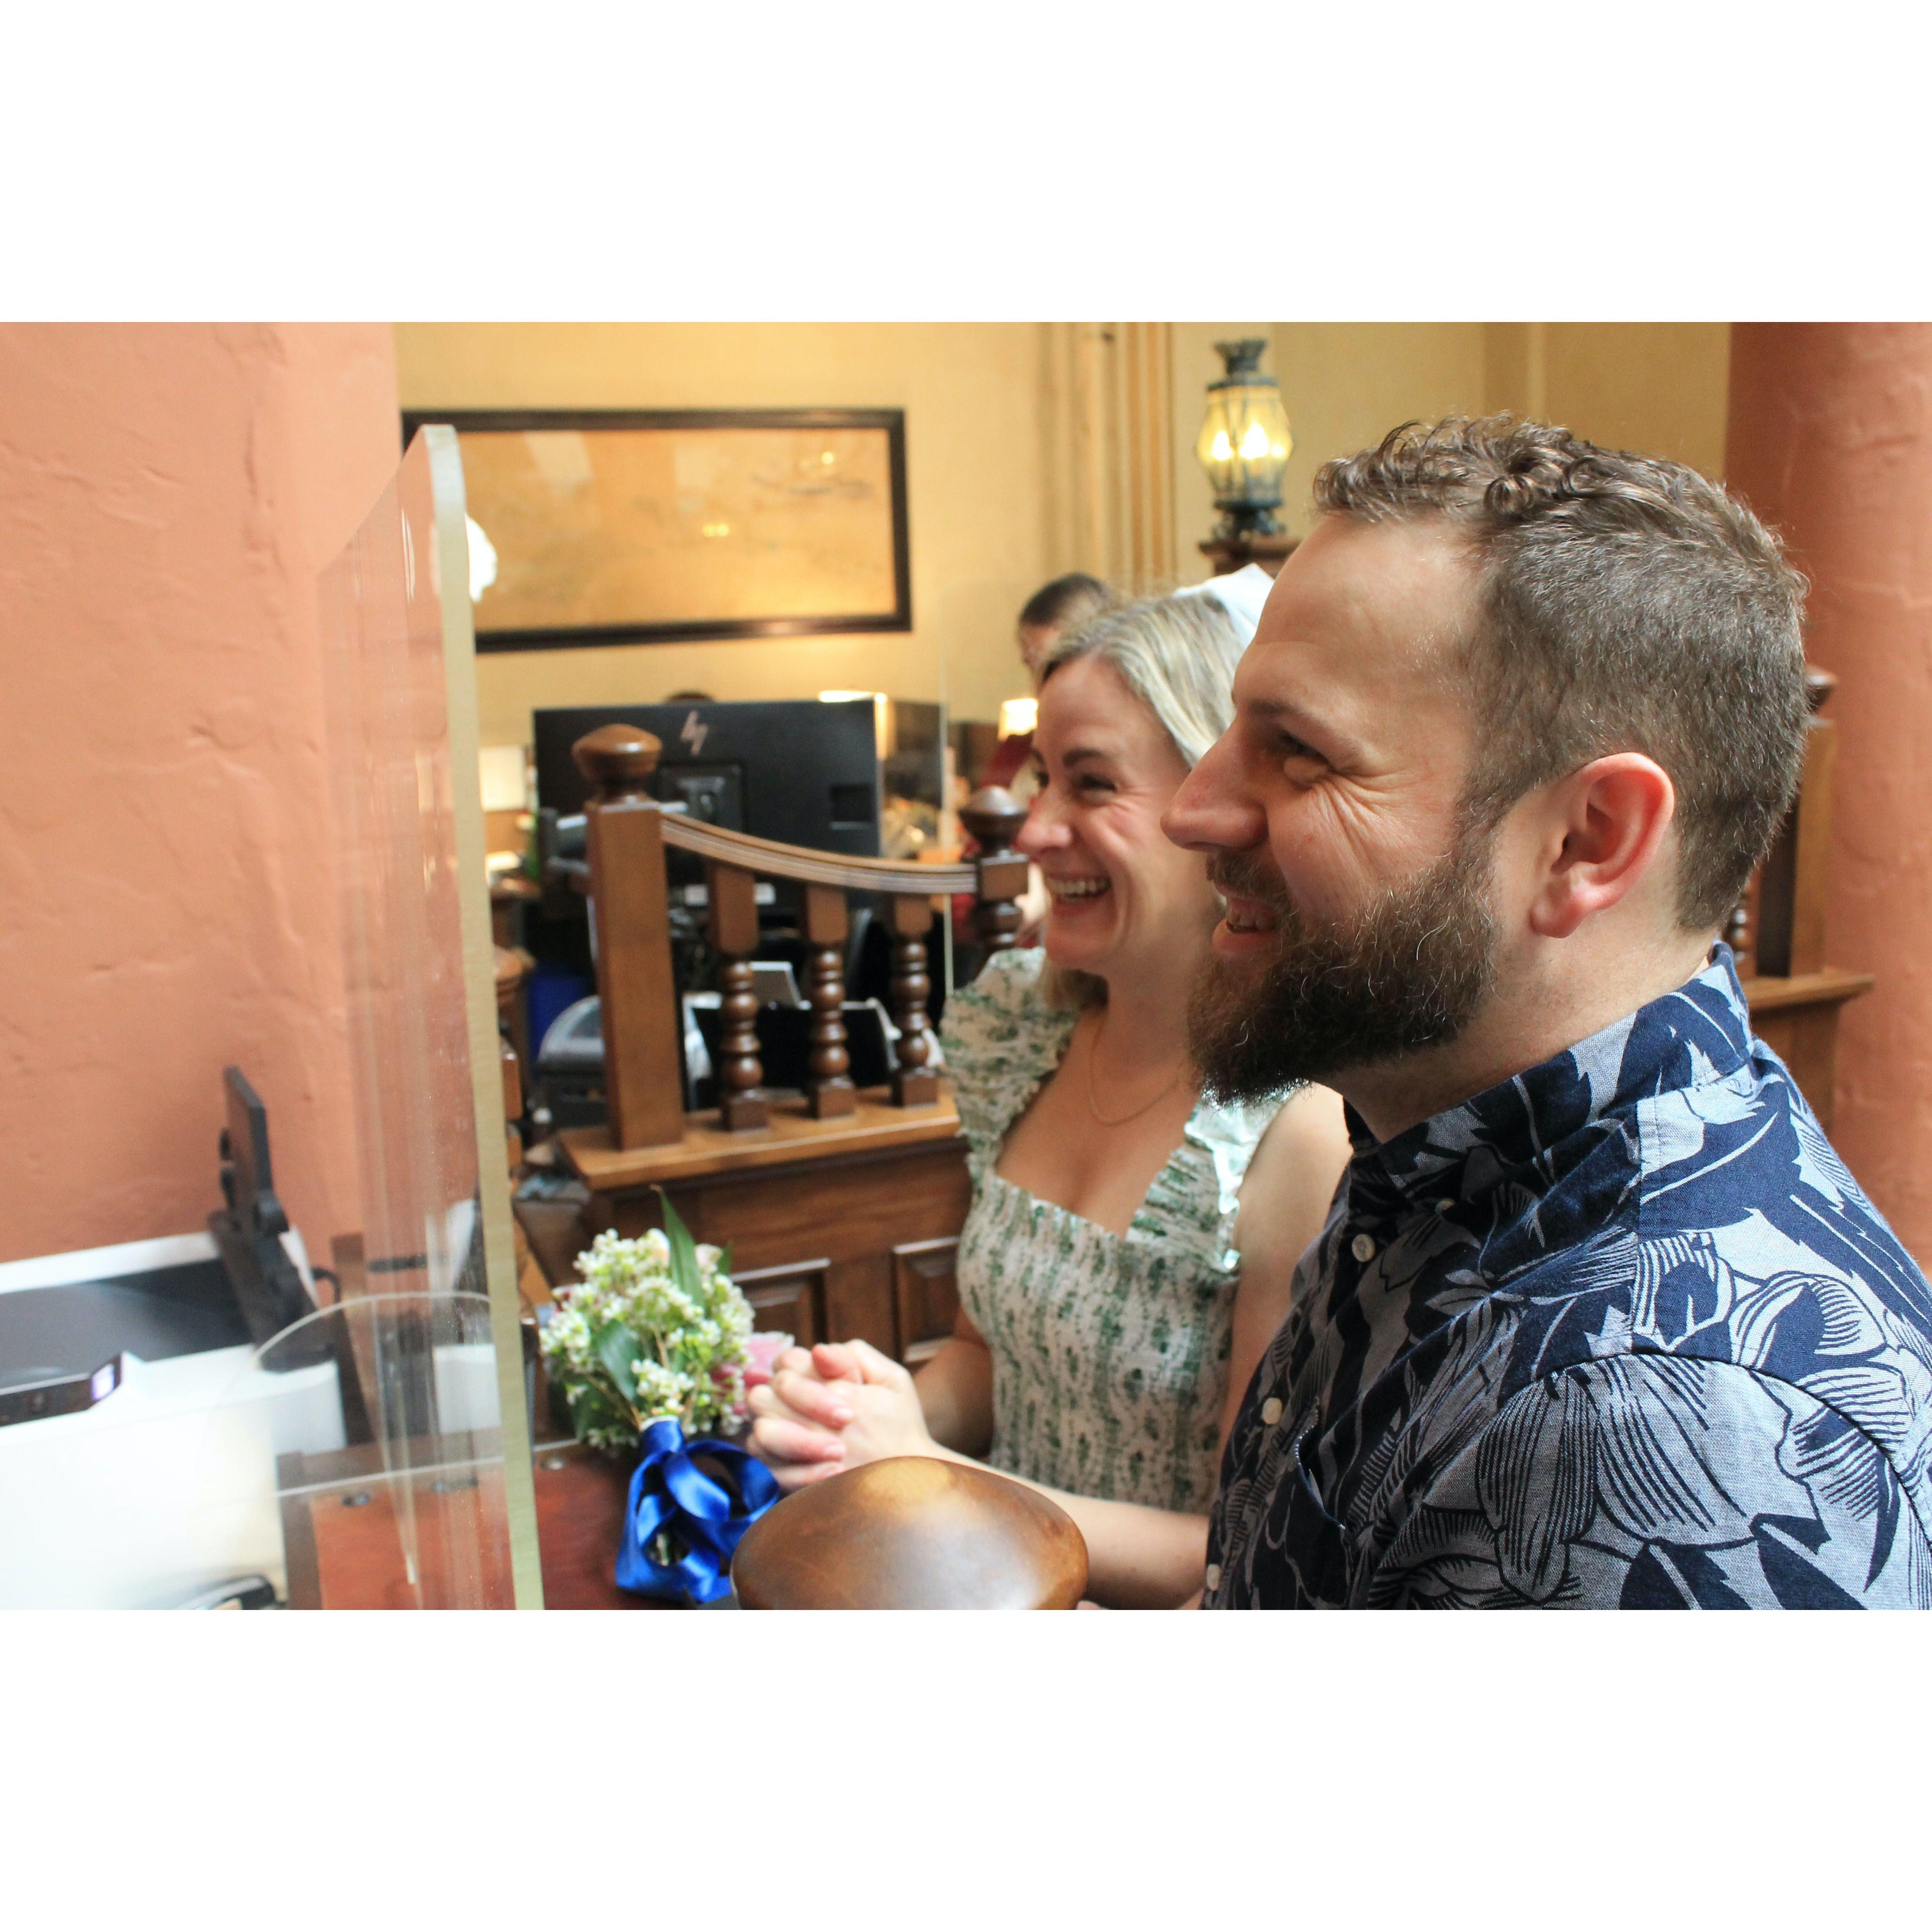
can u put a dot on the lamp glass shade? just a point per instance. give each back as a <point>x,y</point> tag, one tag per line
<point>1245,441</point>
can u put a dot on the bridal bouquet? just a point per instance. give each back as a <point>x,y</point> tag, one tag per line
<point>655,1331</point>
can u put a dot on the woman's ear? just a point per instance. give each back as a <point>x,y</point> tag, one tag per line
<point>1608,822</point>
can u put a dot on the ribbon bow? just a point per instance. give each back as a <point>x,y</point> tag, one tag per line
<point>669,1491</point>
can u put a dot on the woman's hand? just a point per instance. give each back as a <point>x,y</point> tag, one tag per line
<point>797,1448</point>
<point>834,1409</point>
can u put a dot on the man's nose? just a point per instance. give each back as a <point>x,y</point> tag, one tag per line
<point>1211,812</point>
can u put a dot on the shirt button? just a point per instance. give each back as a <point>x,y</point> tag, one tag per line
<point>1362,1247</point>
<point>1271,1411</point>
<point>1446,1205</point>
<point>1214,1578</point>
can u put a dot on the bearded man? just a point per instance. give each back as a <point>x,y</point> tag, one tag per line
<point>1598,1318</point>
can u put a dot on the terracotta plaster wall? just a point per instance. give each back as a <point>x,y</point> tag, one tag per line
<point>167,497</point>
<point>1831,441</point>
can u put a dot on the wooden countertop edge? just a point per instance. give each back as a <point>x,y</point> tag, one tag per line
<point>793,1137</point>
<point>1829,986</point>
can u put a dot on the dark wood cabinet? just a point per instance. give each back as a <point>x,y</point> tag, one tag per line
<point>789,1298</point>
<point>847,1230</point>
<point>925,1296</point>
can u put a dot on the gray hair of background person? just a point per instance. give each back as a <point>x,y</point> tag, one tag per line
<point>1177,654</point>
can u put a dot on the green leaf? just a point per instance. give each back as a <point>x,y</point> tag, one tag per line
<point>684,1268</point>
<point>617,1348</point>
<point>591,1408</point>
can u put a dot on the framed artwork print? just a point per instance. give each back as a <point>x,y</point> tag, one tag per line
<point>639,527</point>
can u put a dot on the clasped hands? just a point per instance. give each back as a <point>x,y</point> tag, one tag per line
<point>832,1408</point>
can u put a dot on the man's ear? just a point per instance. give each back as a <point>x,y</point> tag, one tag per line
<point>1608,821</point>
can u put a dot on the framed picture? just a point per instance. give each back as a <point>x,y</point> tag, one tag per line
<point>639,527</point>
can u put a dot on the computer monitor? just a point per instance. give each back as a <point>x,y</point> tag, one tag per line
<point>802,772</point>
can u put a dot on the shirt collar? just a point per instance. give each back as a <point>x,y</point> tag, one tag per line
<point>1528,1128</point>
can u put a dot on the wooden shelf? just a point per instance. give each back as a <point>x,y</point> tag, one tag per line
<point>1830,986</point>
<point>791,1138</point>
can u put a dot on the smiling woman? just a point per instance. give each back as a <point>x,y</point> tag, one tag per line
<point>1130,1246</point>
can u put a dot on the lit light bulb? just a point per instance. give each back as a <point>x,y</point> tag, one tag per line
<point>1223,448</point>
<point>1255,442</point>
<point>1018,716</point>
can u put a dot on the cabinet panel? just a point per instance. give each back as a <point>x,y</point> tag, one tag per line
<point>790,1299</point>
<point>925,1294</point>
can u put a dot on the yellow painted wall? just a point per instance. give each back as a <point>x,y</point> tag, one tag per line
<point>1656,387</point>
<point>977,485</point>
<point>987,509</point>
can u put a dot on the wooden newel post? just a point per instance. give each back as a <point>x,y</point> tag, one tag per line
<point>624,834</point>
<point>914,1084</point>
<point>828,1092</point>
<point>734,932</point>
<point>994,817</point>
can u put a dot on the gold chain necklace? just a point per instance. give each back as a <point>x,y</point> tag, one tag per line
<point>1093,1102</point>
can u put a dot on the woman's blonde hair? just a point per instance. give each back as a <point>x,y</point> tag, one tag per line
<point>1177,654</point>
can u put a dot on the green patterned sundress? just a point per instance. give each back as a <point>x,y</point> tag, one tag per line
<point>1110,1351</point>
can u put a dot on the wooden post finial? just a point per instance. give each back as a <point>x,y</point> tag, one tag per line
<point>994,817</point>
<point>618,759</point>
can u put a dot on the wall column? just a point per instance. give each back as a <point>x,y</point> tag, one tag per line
<point>1830,441</point>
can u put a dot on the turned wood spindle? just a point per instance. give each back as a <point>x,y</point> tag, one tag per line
<point>994,817</point>
<point>624,842</point>
<point>734,932</point>
<point>914,1084</point>
<point>828,1092</point>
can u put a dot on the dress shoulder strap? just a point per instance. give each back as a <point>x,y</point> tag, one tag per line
<point>1191,1207</point>
<point>1002,1041</point>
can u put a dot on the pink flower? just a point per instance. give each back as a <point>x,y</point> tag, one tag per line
<point>764,1349</point>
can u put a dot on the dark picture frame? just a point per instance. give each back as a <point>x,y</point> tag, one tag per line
<point>700,627</point>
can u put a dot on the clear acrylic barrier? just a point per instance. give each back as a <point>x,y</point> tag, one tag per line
<point>209,1476</point>
<point>364,1527</point>
<point>419,972</point>
<point>203,1475</point>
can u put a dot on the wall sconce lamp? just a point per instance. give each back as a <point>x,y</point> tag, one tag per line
<point>1244,446</point>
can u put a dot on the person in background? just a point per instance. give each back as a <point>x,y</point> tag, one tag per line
<point>1047,615</point>
<point>1598,1319</point>
<point>1129,1248</point>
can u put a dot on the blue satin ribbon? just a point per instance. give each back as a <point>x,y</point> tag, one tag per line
<point>669,1491</point>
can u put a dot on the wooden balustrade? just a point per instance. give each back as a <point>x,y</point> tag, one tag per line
<point>626,833</point>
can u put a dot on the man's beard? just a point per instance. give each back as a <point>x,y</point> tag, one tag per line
<point>1409,972</point>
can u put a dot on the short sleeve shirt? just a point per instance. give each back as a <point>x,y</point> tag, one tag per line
<point>1620,1331</point>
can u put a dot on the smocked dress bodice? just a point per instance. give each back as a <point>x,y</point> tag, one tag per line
<point>1110,1351</point>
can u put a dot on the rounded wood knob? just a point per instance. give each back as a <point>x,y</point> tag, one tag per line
<point>912,1533</point>
<point>994,817</point>
<point>618,759</point>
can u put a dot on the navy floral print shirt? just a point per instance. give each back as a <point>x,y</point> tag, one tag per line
<point>1620,1332</point>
